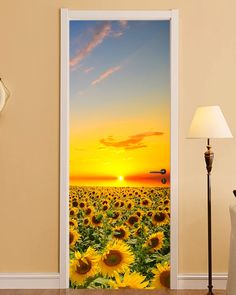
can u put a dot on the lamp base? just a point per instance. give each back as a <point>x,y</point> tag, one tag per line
<point>210,292</point>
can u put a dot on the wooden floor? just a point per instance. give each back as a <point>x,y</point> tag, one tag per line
<point>108,292</point>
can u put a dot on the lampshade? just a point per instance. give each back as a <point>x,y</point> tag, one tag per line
<point>209,122</point>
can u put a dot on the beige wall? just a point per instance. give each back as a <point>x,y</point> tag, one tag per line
<point>29,127</point>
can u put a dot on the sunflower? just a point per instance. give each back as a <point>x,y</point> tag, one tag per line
<point>109,198</point>
<point>160,218</point>
<point>71,194</point>
<point>140,231</point>
<point>122,204</point>
<point>129,205</point>
<point>132,280</point>
<point>74,236</point>
<point>105,207</point>
<point>74,211</point>
<point>81,204</point>
<point>139,213</point>
<point>116,257</point>
<point>132,220</point>
<point>166,202</point>
<point>146,202</point>
<point>114,215</point>
<point>159,208</point>
<point>88,211</point>
<point>167,211</point>
<point>96,220</point>
<point>161,202</point>
<point>73,223</point>
<point>150,213</point>
<point>84,266</point>
<point>155,241</point>
<point>121,232</point>
<point>86,221</point>
<point>75,203</point>
<point>117,204</point>
<point>161,279</point>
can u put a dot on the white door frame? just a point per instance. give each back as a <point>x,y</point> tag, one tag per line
<point>66,16</point>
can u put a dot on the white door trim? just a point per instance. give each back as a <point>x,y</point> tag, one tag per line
<point>66,16</point>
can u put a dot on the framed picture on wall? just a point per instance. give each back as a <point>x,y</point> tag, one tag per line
<point>119,149</point>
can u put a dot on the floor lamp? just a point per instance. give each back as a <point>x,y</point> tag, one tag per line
<point>208,122</point>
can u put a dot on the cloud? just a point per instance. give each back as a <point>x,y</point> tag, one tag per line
<point>133,141</point>
<point>122,27</point>
<point>87,70</point>
<point>106,74</point>
<point>134,147</point>
<point>123,24</point>
<point>117,34</point>
<point>99,34</point>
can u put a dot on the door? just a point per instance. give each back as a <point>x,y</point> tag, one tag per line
<point>120,147</point>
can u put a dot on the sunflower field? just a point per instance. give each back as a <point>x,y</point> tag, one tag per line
<point>119,237</point>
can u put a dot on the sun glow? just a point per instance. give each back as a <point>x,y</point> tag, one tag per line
<point>120,178</point>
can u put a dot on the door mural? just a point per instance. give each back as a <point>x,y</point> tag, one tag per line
<point>119,133</point>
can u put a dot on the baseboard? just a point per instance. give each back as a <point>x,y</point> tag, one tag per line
<point>52,281</point>
<point>29,280</point>
<point>200,281</point>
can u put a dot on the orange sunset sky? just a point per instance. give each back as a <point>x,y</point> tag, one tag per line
<point>119,102</point>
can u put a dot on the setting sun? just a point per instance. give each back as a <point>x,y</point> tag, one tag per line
<point>120,178</point>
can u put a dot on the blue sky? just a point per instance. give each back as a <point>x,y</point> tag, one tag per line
<point>137,41</point>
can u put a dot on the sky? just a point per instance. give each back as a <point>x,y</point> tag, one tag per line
<point>119,102</point>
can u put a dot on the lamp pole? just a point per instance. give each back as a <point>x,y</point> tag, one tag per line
<point>209,156</point>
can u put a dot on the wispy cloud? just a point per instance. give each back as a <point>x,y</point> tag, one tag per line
<point>131,143</point>
<point>123,24</point>
<point>117,34</point>
<point>99,34</point>
<point>87,70</point>
<point>106,74</point>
